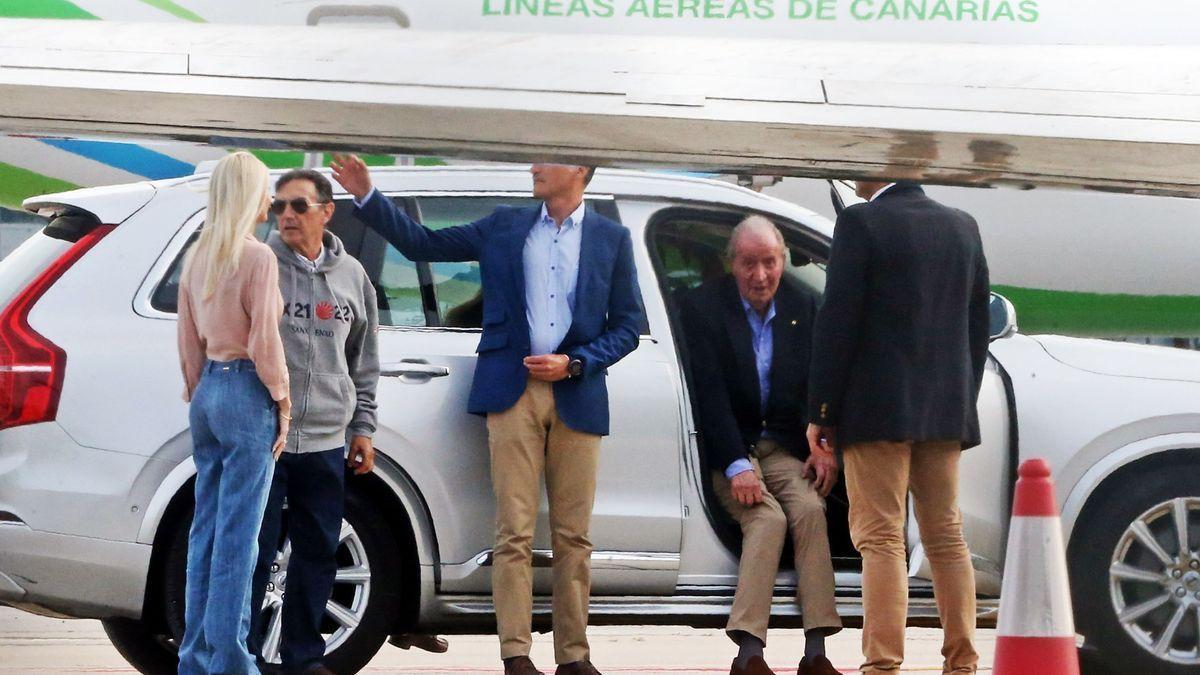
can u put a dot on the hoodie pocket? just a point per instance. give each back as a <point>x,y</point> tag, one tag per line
<point>331,403</point>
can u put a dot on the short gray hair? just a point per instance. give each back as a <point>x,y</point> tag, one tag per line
<point>758,224</point>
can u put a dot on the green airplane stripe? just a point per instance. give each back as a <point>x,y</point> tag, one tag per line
<point>294,159</point>
<point>175,10</point>
<point>17,184</point>
<point>43,9</point>
<point>1103,314</point>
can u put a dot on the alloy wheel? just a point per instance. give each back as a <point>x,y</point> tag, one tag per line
<point>346,606</point>
<point>1154,580</point>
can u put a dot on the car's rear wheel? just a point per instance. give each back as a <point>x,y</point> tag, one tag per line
<point>365,598</point>
<point>1135,572</point>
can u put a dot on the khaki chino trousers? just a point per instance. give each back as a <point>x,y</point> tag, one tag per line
<point>527,441</point>
<point>879,476</point>
<point>790,505</point>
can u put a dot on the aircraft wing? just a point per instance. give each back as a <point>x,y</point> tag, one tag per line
<point>1115,118</point>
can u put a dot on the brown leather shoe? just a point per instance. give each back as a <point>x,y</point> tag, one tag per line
<point>521,665</point>
<point>755,666</point>
<point>430,643</point>
<point>816,665</point>
<point>577,668</point>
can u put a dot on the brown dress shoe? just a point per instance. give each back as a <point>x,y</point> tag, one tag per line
<point>816,665</point>
<point>755,666</point>
<point>430,643</point>
<point>521,665</point>
<point>577,668</point>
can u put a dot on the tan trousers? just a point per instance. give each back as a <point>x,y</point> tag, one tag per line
<point>790,504</point>
<point>525,441</point>
<point>879,476</point>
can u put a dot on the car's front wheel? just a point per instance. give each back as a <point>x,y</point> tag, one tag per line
<point>1135,572</point>
<point>363,604</point>
<point>150,652</point>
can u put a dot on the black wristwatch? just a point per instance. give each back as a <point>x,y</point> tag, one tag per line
<point>574,368</point>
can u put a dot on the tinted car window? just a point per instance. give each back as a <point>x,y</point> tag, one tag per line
<point>166,295</point>
<point>456,286</point>
<point>399,291</point>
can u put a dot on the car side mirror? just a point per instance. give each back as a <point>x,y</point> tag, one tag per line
<point>1002,317</point>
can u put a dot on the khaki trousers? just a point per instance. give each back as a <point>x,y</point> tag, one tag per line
<point>879,476</point>
<point>790,504</point>
<point>525,441</point>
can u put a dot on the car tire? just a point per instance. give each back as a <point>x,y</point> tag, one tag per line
<point>1107,544</point>
<point>373,542</point>
<point>145,650</point>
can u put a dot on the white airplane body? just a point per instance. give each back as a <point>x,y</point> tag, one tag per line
<point>668,92</point>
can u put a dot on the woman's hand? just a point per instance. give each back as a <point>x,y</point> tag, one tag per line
<point>285,421</point>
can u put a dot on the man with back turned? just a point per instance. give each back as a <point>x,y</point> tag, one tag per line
<point>898,357</point>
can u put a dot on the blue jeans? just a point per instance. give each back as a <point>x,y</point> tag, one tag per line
<point>314,486</point>
<point>234,424</point>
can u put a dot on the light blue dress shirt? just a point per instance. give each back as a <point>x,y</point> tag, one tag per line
<point>551,259</point>
<point>762,339</point>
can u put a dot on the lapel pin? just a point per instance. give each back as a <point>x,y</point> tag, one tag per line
<point>794,322</point>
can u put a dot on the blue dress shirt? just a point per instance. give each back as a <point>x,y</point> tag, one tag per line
<point>551,259</point>
<point>762,338</point>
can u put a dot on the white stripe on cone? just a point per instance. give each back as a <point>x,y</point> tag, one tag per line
<point>1035,598</point>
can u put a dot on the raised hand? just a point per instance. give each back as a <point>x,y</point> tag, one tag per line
<point>352,174</point>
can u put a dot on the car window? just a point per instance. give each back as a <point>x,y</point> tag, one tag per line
<point>399,290</point>
<point>166,295</point>
<point>456,286</point>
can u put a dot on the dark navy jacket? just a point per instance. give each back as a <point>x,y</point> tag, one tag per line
<point>607,315</point>
<point>901,341</point>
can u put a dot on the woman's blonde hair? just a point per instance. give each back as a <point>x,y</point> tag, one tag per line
<point>236,191</point>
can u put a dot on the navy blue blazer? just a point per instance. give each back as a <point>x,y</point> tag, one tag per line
<point>606,319</point>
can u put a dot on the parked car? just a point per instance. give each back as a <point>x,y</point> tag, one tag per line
<point>96,471</point>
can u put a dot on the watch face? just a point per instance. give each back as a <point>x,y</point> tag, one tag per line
<point>575,368</point>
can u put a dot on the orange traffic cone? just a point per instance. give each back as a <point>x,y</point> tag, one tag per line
<point>1035,634</point>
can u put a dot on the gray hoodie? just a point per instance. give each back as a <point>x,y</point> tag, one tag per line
<point>329,325</point>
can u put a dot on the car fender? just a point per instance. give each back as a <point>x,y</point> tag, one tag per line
<point>387,470</point>
<point>1078,494</point>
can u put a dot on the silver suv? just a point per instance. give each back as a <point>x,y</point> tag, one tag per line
<point>96,470</point>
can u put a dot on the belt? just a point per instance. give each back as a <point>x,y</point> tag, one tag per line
<point>244,365</point>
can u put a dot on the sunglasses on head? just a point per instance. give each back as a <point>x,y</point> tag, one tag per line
<point>300,205</point>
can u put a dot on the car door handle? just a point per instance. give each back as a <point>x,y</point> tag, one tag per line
<point>413,369</point>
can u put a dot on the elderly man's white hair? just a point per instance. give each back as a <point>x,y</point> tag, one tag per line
<point>758,225</point>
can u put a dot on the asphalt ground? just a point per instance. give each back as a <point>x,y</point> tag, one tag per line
<point>33,644</point>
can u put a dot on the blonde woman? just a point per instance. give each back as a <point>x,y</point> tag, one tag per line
<point>236,381</point>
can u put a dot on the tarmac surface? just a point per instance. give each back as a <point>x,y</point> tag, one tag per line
<point>33,644</point>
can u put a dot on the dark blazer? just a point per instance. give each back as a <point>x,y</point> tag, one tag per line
<point>607,316</point>
<point>725,378</point>
<point>902,336</point>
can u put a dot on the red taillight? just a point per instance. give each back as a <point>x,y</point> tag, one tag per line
<point>32,367</point>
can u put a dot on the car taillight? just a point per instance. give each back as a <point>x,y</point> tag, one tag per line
<point>32,367</point>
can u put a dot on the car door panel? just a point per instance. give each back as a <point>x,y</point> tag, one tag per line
<point>425,428</point>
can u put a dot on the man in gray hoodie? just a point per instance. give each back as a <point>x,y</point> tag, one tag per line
<point>329,325</point>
